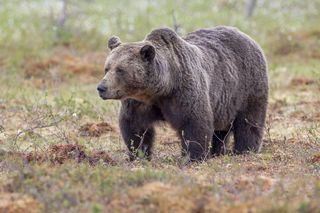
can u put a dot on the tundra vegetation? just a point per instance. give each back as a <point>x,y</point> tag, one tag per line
<point>60,147</point>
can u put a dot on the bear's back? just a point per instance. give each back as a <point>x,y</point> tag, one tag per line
<point>228,49</point>
<point>228,38</point>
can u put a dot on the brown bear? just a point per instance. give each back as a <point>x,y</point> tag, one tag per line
<point>205,85</point>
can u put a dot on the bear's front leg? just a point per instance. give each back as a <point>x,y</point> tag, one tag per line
<point>139,140</point>
<point>136,126</point>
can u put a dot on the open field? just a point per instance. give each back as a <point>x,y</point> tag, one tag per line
<point>60,146</point>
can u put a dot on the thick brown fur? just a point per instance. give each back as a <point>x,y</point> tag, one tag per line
<point>205,85</point>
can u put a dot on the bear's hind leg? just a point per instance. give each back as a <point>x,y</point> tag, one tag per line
<point>219,142</point>
<point>248,128</point>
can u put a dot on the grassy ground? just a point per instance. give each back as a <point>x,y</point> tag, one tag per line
<point>60,147</point>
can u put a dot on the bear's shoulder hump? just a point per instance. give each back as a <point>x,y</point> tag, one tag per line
<point>166,35</point>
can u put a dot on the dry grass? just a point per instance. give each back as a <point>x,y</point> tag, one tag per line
<point>60,147</point>
<point>18,203</point>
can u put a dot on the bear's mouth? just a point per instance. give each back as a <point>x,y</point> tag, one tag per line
<point>103,97</point>
<point>111,95</point>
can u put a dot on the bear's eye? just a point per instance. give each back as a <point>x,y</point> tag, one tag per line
<point>106,70</point>
<point>119,70</point>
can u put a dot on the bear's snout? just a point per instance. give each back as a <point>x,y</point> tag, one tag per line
<point>101,88</point>
<point>102,91</point>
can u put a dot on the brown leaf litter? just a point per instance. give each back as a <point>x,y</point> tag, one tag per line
<point>63,65</point>
<point>95,130</point>
<point>315,159</point>
<point>301,44</point>
<point>60,153</point>
<point>303,81</point>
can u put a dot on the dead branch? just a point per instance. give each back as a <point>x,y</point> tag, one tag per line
<point>63,16</point>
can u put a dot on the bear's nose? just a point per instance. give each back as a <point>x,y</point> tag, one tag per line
<point>101,88</point>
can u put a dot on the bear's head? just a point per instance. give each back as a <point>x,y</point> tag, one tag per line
<point>128,70</point>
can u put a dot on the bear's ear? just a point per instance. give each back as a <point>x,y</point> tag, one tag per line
<point>114,42</point>
<point>147,52</point>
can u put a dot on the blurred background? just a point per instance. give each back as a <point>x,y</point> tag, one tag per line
<point>48,41</point>
<point>29,28</point>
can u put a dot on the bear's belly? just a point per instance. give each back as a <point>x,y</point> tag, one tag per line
<point>223,119</point>
<point>222,126</point>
